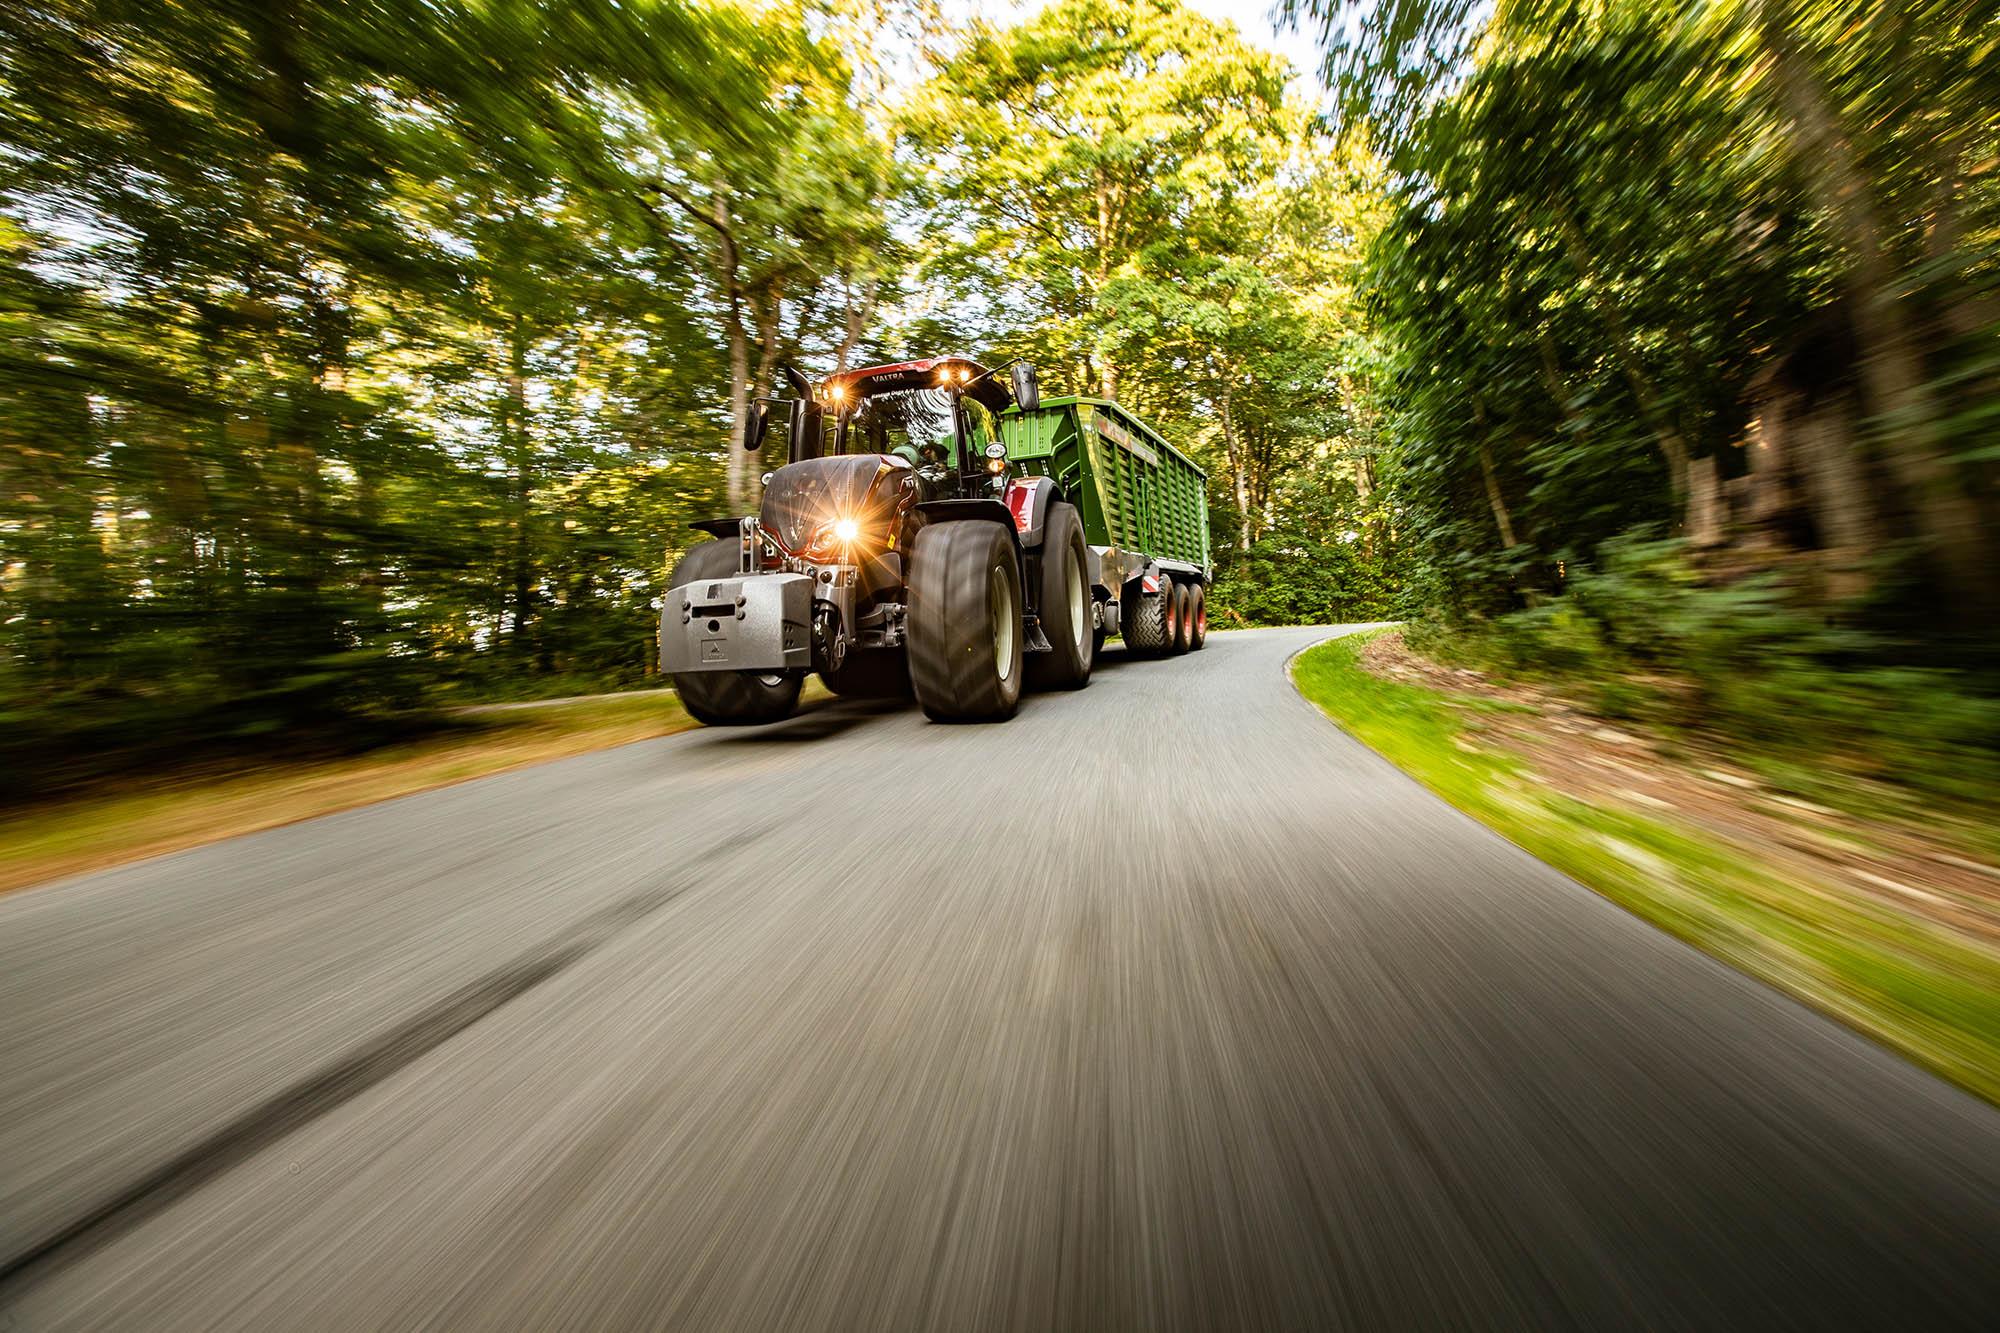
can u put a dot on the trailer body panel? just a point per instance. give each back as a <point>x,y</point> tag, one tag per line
<point>1141,499</point>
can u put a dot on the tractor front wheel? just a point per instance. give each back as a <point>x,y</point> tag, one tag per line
<point>729,698</point>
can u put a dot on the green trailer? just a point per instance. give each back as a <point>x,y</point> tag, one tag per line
<point>1144,506</point>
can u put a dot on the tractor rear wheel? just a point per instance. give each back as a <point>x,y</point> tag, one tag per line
<point>965,621</point>
<point>729,698</point>
<point>1142,618</point>
<point>1064,605</point>
<point>1198,620</point>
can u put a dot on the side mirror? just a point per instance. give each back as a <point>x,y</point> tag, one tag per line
<point>1027,389</point>
<point>755,429</point>
<point>805,430</point>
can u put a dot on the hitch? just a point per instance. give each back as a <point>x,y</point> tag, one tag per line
<point>829,644</point>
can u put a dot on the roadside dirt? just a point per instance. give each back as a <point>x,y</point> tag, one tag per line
<point>1910,868</point>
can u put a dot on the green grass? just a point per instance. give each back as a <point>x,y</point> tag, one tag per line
<point>1920,988</point>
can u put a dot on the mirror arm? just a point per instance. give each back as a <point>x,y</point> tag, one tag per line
<point>989,374</point>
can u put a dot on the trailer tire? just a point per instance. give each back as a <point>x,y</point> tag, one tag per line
<point>1183,618</point>
<point>870,673</point>
<point>1142,619</point>
<point>965,623</point>
<point>1198,620</point>
<point>1064,605</point>
<point>729,698</point>
<point>1171,606</point>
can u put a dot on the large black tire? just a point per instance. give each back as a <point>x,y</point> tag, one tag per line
<point>1143,620</point>
<point>1183,617</point>
<point>1064,605</point>
<point>1198,619</point>
<point>1170,616</point>
<point>728,698</point>
<point>965,621</point>
<point>871,673</point>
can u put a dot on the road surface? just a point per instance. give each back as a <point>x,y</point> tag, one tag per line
<point>1165,1005</point>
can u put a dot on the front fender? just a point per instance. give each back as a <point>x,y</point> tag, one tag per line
<point>941,511</point>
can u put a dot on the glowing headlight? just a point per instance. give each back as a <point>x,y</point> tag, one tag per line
<point>833,538</point>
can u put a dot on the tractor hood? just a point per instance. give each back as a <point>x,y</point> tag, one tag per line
<point>804,496</point>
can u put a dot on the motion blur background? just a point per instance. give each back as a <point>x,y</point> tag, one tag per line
<point>361,359</point>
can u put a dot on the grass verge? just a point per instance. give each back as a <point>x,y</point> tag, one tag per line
<point>106,827</point>
<point>1923,990</point>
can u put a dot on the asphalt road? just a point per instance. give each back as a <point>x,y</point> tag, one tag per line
<point>1164,1005</point>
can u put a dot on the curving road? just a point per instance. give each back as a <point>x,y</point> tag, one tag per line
<point>1165,1005</point>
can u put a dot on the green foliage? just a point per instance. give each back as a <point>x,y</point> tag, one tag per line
<point>1287,579</point>
<point>1640,635</point>
<point>1620,227</point>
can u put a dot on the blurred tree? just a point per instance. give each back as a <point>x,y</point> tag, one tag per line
<point>349,351</point>
<point>1613,220</point>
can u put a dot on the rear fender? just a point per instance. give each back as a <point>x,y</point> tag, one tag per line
<point>1028,500</point>
<point>1152,579</point>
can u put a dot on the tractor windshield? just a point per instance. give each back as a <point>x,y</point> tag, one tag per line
<point>914,424</point>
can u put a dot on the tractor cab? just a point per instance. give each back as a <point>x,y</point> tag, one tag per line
<point>937,415</point>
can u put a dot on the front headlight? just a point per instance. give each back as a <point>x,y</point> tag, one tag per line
<point>834,539</point>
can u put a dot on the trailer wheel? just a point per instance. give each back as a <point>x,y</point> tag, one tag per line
<point>1064,605</point>
<point>1171,606</point>
<point>870,673</point>
<point>1198,620</point>
<point>1183,617</point>
<point>729,698</point>
<point>965,621</point>
<point>1142,619</point>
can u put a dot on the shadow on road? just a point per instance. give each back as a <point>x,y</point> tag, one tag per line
<point>824,718</point>
<point>813,722</point>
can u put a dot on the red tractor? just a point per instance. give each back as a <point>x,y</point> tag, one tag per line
<point>897,552</point>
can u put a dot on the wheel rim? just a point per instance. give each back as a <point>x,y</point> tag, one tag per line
<point>1000,601</point>
<point>1075,600</point>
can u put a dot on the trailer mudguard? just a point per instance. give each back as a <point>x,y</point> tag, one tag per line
<point>728,529</point>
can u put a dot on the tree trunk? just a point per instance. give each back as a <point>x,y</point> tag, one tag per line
<point>1673,448</point>
<point>515,433</point>
<point>858,313</point>
<point>1233,449</point>
<point>1501,518</point>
